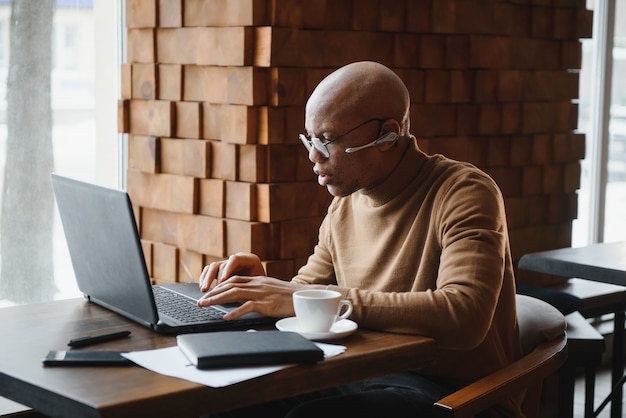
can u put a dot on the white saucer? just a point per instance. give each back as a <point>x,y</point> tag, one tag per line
<point>340,329</point>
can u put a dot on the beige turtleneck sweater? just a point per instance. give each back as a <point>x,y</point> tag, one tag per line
<point>426,252</point>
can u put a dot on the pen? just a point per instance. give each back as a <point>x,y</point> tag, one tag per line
<point>90,340</point>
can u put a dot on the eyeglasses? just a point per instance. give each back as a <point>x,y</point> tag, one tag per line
<point>321,146</point>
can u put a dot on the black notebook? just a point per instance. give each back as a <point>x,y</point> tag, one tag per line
<point>213,350</point>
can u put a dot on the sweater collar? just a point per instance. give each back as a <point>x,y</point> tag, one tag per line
<point>408,167</point>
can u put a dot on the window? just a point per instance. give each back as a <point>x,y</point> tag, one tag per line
<point>83,89</point>
<point>602,117</point>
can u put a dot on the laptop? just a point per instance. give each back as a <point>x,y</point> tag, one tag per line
<point>110,269</point>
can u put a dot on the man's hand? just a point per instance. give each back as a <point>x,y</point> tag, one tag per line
<point>265,295</point>
<point>244,264</point>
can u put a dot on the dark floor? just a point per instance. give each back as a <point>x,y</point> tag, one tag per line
<point>602,390</point>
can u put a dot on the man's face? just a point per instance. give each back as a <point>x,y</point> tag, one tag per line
<point>345,173</point>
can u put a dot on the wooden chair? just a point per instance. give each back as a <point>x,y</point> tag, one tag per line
<point>544,347</point>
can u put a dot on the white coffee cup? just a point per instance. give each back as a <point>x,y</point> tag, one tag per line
<point>318,309</point>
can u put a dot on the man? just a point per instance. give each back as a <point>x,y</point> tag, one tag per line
<point>418,243</point>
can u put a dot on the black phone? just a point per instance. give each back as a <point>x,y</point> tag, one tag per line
<point>86,358</point>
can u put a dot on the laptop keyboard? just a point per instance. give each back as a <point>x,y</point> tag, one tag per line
<point>183,309</point>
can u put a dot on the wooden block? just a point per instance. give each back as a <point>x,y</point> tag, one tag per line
<point>509,86</point>
<point>485,86</point>
<point>406,50</point>
<point>205,84</point>
<point>511,118</point>
<point>365,15</point>
<point>190,265</point>
<point>144,153</point>
<point>163,191</point>
<point>281,162</point>
<point>541,22</point>
<point>185,157</point>
<point>169,82</point>
<point>571,177</point>
<point>126,81</point>
<point>235,46</point>
<point>239,124</point>
<point>146,247</point>
<point>532,180</point>
<point>520,25</point>
<point>433,120</point>
<point>226,13</point>
<point>241,200</point>
<point>180,45</point>
<point>294,125</point>
<point>310,49</point>
<point>275,46</point>
<point>211,199</point>
<point>197,157</point>
<point>287,13</point>
<point>392,16</point>
<point>164,263</point>
<point>377,46</point>
<point>564,23</point>
<point>542,146</point>
<point>170,13</point>
<point>304,166</point>
<point>584,23</point>
<point>414,81</point>
<point>151,117</point>
<point>521,150</point>
<point>509,179</point>
<point>212,121</point>
<point>466,119</point>
<point>252,163</point>
<point>432,51</point>
<point>172,156</point>
<point>437,86</point>
<point>340,47</point>
<point>205,233</point>
<point>569,147</point>
<point>141,46</point>
<point>553,179</point>
<point>489,117</point>
<point>498,151</point>
<point>298,237</point>
<point>287,87</point>
<point>280,269</point>
<point>418,16</point>
<point>247,85</point>
<point>252,237</point>
<point>457,52</point>
<point>443,16</point>
<point>490,51</point>
<point>144,81</point>
<point>270,125</point>
<point>159,226</point>
<point>338,14</point>
<point>560,208</point>
<point>460,86</point>
<point>224,157</point>
<point>571,55</point>
<point>123,116</point>
<point>188,119</point>
<point>141,13</point>
<point>277,201</point>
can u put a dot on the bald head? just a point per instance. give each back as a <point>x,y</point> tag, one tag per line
<point>360,91</point>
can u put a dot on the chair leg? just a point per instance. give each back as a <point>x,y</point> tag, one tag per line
<point>590,384</point>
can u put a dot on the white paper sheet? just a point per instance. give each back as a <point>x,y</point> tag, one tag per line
<point>171,361</point>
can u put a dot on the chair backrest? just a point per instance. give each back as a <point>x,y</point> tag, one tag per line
<point>544,346</point>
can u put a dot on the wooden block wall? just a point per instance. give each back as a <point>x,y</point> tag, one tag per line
<point>213,95</point>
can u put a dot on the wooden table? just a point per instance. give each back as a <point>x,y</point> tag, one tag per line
<point>605,262</point>
<point>30,331</point>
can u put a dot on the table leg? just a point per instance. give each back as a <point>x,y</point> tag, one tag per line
<point>618,364</point>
